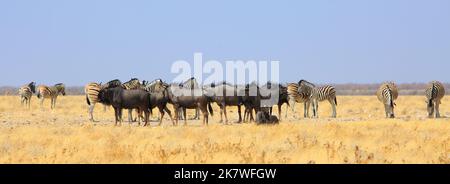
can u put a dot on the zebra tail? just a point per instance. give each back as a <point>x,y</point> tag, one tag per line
<point>335,100</point>
<point>87,100</point>
<point>210,109</point>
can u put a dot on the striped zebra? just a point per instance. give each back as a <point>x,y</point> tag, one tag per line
<point>26,92</point>
<point>44,92</point>
<point>134,83</point>
<point>434,93</point>
<point>295,97</point>
<point>91,90</point>
<point>319,94</point>
<point>387,94</point>
<point>154,86</point>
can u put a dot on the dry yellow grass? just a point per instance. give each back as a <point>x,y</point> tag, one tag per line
<point>360,134</point>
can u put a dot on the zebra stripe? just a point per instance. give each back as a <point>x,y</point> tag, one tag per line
<point>295,97</point>
<point>134,83</point>
<point>154,86</point>
<point>434,94</point>
<point>319,94</point>
<point>52,93</point>
<point>91,91</point>
<point>387,94</point>
<point>26,92</point>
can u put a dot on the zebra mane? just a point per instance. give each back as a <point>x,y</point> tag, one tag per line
<point>306,83</point>
<point>59,84</point>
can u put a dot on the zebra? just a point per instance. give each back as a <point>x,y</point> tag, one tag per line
<point>134,83</point>
<point>434,94</point>
<point>295,97</point>
<point>387,94</point>
<point>154,86</point>
<point>91,90</point>
<point>26,92</point>
<point>44,92</point>
<point>319,94</point>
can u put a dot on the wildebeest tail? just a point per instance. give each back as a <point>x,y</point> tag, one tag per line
<point>210,109</point>
<point>38,93</point>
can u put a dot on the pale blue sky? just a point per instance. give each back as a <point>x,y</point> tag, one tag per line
<point>325,41</point>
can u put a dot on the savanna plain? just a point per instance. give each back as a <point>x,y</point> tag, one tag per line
<point>359,135</point>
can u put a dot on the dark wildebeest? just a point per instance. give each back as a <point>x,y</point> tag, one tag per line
<point>251,101</point>
<point>283,97</point>
<point>182,98</point>
<point>159,97</point>
<point>264,117</point>
<point>120,99</point>
<point>226,95</point>
<point>191,84</point>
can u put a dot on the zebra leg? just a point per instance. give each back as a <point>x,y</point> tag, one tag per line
<point>315,108</point>
<point>305,110</point>
<point>29,103</point>
<point>42,102</point>
<point>438,114</point>
<point>279,112</point>
<point>333,107</point>
<point>130,115</point>
<point>292,102</point>
<point>308,107</point>
<point>91,112</point>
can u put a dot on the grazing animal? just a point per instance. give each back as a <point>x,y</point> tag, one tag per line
<point>264,117</point>
<point>26,92</point>
<point>251,100</point>
<point>120,99</point>
<point>91,91</point>
<point>132,84</point>
<point>283,97</point>
<point>44,92</point>
<point>434,94</point>
<point>387,94</point>
<point>226,95</point>
<point>112,84</point>
<point>159,97</point>
<point>182,98</point>
<point>295,97</point>
<point>191,84</point>
<point>319,94</point>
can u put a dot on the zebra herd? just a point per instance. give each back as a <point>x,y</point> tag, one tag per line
<point>42,92</point>
<point>161,94</point>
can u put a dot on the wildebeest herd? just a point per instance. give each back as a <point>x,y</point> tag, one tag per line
<point>145,96</point>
